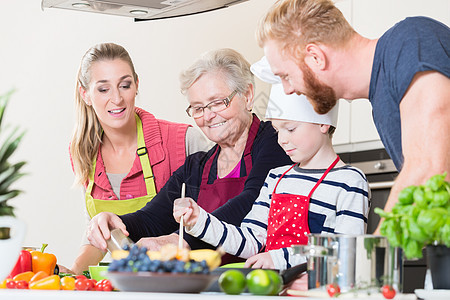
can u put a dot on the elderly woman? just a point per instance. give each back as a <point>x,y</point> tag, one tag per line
<point>224,181</point>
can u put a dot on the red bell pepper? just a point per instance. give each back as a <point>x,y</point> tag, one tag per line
<point>23,264</point>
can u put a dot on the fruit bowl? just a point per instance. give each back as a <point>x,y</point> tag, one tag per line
<point>161,282</point>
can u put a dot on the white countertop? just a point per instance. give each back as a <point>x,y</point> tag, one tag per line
<point>7,294</point>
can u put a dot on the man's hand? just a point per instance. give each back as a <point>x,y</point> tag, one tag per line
<point>260,261</point>
<point>99,229</point>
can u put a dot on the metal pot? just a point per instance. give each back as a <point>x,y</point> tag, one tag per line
<point>365,261</point>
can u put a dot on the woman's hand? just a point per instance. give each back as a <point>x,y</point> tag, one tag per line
<point>260,261</point>
<point>155,243</point>
<point>99,229</point>
<point>187,208</point>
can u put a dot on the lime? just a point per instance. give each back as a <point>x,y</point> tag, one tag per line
<point>232,282</point>
<point>259,282</point>
<point>276,280</point>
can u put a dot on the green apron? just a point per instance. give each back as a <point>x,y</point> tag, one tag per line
<point>121,207</point>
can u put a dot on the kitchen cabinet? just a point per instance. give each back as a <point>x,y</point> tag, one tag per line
<point>371,18</point>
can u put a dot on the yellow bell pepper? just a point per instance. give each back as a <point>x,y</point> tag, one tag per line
<point>41,261</point>
<point>48,283</point>
<point>3,284</point>
<point>68,283</point>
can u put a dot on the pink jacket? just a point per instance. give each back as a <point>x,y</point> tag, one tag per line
<point>166,148</point>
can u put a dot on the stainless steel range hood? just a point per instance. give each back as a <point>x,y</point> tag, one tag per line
<point>142,9</point>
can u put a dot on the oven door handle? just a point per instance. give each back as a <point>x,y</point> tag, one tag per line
<point>381,185</point>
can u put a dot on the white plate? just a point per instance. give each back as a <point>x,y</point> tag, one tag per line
<point>432,294</point>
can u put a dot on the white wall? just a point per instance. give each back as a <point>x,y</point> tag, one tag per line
<point>39,56</point>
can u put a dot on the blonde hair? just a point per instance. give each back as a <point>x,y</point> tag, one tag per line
<point>295,23</point>
<point>228,62</point>
<point>87,134</point>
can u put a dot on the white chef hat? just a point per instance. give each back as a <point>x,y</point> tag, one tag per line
<point>289,107</point>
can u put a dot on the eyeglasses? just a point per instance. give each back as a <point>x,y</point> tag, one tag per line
<point>214,106</point>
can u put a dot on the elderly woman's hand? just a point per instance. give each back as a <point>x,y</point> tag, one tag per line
<point>99,229</point>
<point>186,208</point>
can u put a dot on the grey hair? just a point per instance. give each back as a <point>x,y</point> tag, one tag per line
<point>226,62</point>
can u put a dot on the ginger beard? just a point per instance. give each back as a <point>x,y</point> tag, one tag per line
<point>321,96</point>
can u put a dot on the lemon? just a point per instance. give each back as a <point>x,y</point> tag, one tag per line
<point>259,282</point>
<point>232,282</point>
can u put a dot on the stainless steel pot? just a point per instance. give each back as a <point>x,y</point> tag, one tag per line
<point>365,261</point>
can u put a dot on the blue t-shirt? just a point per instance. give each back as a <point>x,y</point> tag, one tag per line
<point>413,45</point>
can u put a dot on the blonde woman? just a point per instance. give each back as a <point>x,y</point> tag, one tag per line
<point>120,153</point>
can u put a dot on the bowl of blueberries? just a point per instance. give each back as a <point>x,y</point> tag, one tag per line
<point>137,272</point>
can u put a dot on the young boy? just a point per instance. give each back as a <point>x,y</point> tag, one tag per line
<point>318,194</point>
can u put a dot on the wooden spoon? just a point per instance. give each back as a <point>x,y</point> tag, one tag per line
<point>180,235</point>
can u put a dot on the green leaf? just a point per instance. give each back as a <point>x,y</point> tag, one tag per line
<point>382,213</point>
<point>416,232</point>
<point>9,195</point>
<point>445,233</point>
<point>413,249</point>
<point>4,99</point>
<point>10,146</point>
<point>436,182</point>
<point>406,195</point>
<point>431,219</point>
<point>4,185</point>
<point>440,199</point>
<point>419,197</point>
<point>4,175</point>
<point>6,210</point>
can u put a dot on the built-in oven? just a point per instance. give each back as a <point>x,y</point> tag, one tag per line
<point>380,172</point>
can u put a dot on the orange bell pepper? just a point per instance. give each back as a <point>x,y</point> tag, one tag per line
<point>38,276</point>
<point>41,261</point>
<point>48,283</point>
<point>26,276</point>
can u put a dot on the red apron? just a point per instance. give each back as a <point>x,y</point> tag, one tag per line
<point>214,195</point>
<point>288,216</point>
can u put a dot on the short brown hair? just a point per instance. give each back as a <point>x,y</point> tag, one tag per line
<point>300,22</point>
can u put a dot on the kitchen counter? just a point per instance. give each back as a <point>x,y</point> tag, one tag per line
<point>85,295</point>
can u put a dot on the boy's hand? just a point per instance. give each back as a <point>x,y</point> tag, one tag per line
<point>187,208</point>
<point>260,261</point>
